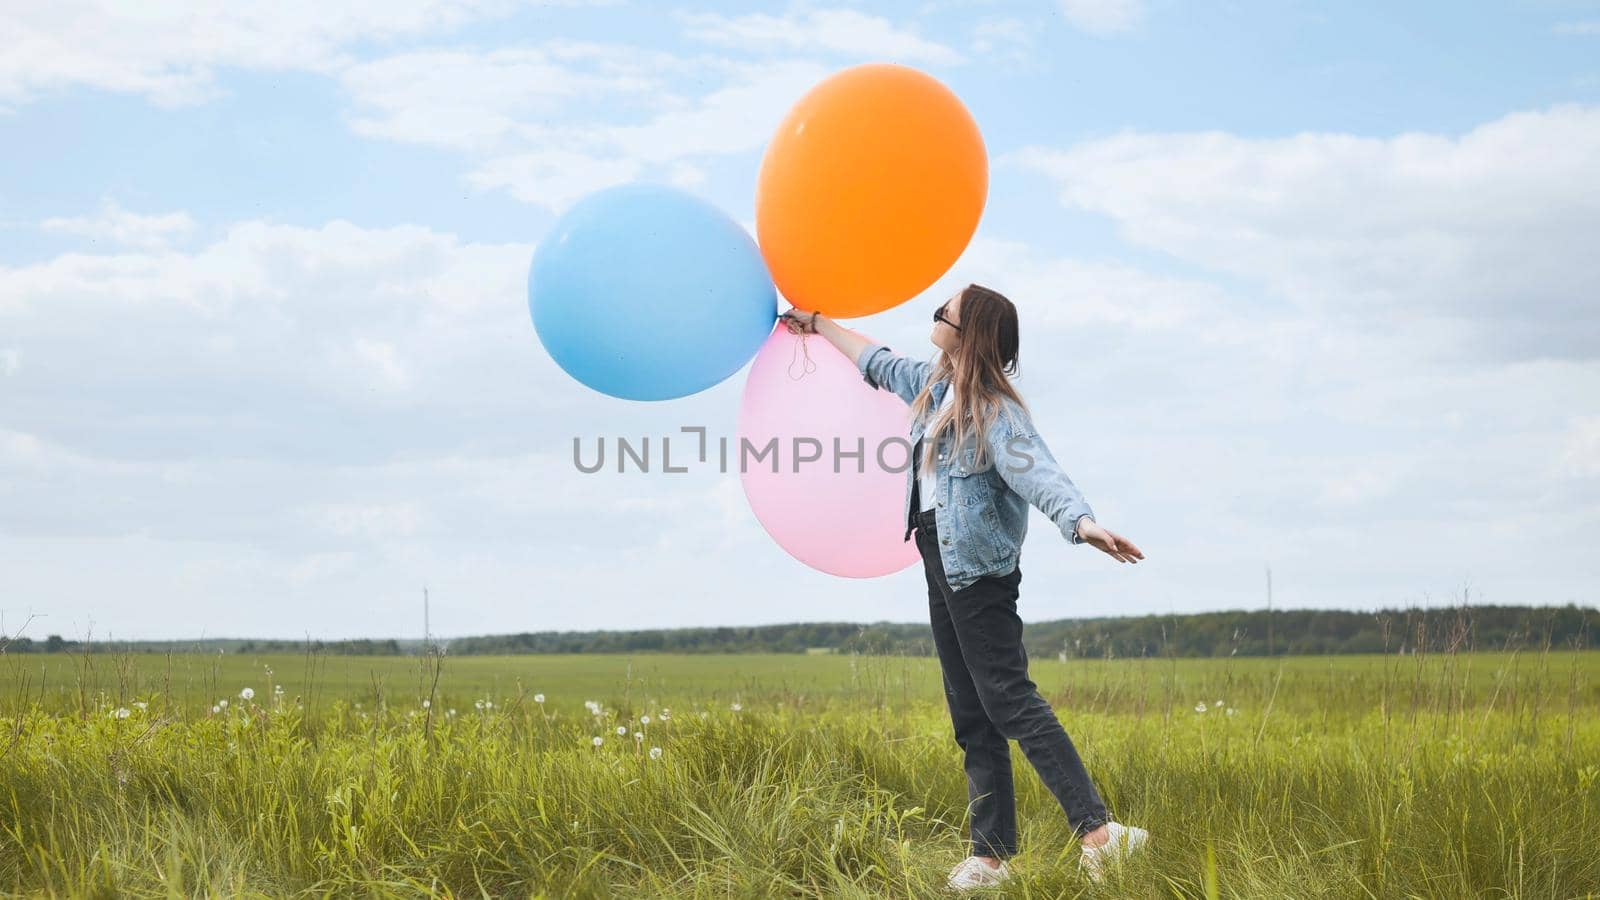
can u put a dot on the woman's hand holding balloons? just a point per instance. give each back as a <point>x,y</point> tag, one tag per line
<point>800,321</point>
<point>847,342</point>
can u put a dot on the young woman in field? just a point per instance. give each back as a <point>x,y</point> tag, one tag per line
<point>977,465</point>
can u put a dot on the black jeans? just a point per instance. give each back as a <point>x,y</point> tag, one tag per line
<point>978,635</point>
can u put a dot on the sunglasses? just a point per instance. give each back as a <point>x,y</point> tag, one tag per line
<point>938,316</point>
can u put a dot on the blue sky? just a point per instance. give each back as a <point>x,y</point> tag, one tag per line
<point>1308,285</point>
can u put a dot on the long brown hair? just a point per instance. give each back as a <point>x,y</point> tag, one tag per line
<point>979,372</point>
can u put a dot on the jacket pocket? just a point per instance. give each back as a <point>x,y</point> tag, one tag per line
<point>974,515</point>
<point>970,485</point>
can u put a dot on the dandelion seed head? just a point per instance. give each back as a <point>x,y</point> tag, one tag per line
<point>215,708</point>
<point>638,735</point>
<point>1200,707</point>
<point>427,704</point>
<point>655,752</point>
<point>736,706</point>
<point>644,720</point>
<point>598,740</point>
<point>622,729</point>
<point>538,698</point>
<point>247,693</point>
<point>140,704</point>
<point>122,712</point>
<point>223,703</point>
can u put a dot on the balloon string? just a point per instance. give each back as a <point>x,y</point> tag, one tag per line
<point>808,366</point>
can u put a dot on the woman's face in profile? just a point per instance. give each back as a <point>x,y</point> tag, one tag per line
<point>946,322</point>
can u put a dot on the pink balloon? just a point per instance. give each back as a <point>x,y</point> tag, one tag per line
<point>846,522</point>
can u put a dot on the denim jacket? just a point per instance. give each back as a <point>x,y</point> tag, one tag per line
<point>981,515</point>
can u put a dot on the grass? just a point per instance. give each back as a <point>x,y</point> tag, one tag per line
<point>1388,776</point>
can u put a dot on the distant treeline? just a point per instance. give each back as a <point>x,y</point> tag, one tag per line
<point>1241,633</point>
<point>1232,633</point>
<point>55,643</point>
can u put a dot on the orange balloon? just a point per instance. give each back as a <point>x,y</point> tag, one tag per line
<point>870,190</point>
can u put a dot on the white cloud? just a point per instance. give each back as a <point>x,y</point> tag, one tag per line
<point>343,312</point>
<point>381,520</point>
<point>1365,483</point>
<point>741,115</point>
<point>382,362</point>
<point>1490,232</point>
<point>169,51</point>
<point>1581,456</point>
<point>622,112</point>
<point>1590,27</point>
<point>846,32</point>
<point>552,122</point>
<point>1008,39</point>
<point>116,225</point>
<point>591,90</point>
<point>1103,18</point>
<point>553,179</point>
<point>688,177</point>
<point>1063,292</point>
<point>483,100</point>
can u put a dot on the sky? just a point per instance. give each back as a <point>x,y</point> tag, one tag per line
<point>1304,286</point>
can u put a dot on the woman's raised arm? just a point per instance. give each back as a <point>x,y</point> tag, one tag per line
<point>881,368</point>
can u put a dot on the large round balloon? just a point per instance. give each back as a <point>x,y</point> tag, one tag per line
<point>846,522</point>
<point>870,190</point>
<point>647,293</point>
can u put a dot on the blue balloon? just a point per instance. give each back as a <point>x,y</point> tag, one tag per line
<point>647,293</point>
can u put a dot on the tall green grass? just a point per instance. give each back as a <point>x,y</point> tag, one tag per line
<point>1394,776</point>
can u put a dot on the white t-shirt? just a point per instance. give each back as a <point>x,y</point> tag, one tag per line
<point>927,479</point>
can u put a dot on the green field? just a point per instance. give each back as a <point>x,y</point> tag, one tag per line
<point>835,776</point>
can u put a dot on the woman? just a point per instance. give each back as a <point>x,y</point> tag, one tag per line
<point>977,463</point>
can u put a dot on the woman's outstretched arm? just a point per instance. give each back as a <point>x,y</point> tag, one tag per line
<point>1032,471</point>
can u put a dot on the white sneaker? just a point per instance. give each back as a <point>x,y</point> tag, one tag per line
<point>973,872</point>
<point>1124,840</point>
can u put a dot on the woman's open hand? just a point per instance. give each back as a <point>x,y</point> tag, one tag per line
<point>1118,547</point>
<point>800,321</point>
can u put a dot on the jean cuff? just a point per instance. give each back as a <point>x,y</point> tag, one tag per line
<point>1001,853</point>
<point>1090,824</point>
